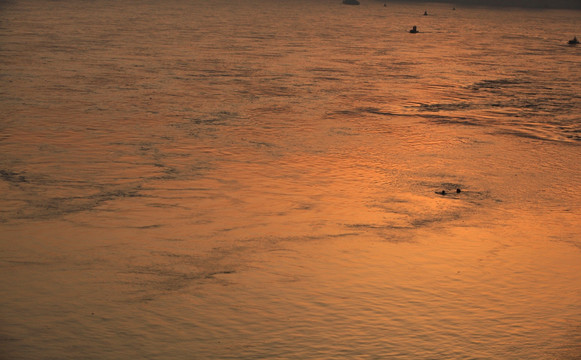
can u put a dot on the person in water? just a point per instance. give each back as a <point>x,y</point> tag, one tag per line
<point>414,30</point>
<point>426,13</point>
<point>443,192</point>
<point>574,41</point>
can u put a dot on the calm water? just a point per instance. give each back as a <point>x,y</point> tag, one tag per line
<point>257,179</point>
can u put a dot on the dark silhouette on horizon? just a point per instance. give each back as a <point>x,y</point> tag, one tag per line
<point>350,2</point>
<point>414,30</point>
<point>573,41</point>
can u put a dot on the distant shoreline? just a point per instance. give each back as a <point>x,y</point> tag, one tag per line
<point>529,4</point>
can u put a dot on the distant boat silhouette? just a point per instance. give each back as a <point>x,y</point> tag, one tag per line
<point>350,2</point>
<point>414,30</point>
<point>574,41</point>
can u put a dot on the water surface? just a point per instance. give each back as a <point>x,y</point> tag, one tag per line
<point>250,180</point>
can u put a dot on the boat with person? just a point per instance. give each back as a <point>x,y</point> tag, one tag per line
<point>573,41</point>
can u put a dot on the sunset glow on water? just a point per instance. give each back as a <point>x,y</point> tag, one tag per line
<point>263,180</point>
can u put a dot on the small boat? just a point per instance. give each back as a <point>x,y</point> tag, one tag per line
<point>414,30</point>
<point>573,41</point>
<point>350,2</point>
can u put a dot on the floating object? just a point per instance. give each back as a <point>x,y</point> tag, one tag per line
<point>426,13</point>
<point>573,41</point>
<point>350,2</point>
<point>458,191</point>
<point>414,30</point>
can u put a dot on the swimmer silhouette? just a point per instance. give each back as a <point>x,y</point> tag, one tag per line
<point>414,30</point>
<point>574,41</point>
<point>426,13</point>
<point>443,192</point>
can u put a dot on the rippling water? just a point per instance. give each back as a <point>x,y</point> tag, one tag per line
<point>260,179</point>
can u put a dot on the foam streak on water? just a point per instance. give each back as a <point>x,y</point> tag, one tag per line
<point>262,179</point>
